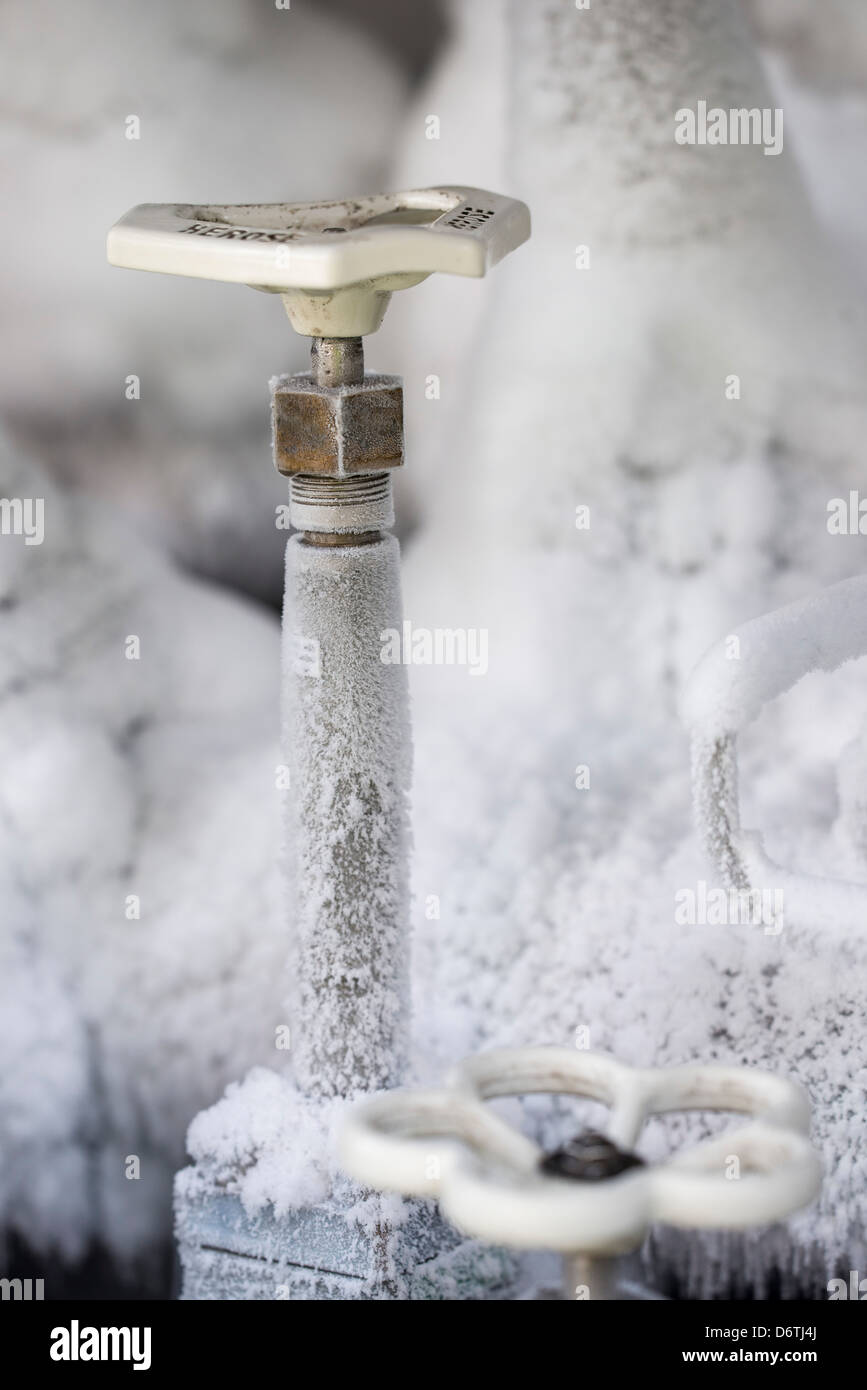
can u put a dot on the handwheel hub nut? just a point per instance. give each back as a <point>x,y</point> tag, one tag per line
<point>589,1157</point>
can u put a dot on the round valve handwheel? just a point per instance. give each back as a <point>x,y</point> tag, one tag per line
<point>490,1181</point>
<point>334,263</point>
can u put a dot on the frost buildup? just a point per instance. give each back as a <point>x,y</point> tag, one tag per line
<point>347,744</point>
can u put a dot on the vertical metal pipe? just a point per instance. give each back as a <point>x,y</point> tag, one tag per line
<point>592,1277</point>
<point>347,745</point>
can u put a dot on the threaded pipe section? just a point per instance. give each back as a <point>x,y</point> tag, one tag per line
<point>341,505</point>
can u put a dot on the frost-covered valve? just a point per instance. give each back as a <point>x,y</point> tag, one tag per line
<point>338,436</point>
<point>337,432</point>
<point>593,1199</point>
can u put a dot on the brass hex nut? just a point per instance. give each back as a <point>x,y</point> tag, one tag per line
<point>336,431</point>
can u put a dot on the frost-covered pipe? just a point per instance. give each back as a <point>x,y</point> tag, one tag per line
<point>347,745</point>
<point>727,691</point>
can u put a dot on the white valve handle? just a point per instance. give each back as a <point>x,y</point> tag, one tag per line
<point>448,1144</point>
<point>381,242</point>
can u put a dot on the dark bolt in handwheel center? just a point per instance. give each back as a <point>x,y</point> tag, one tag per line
<point>589,1157</point>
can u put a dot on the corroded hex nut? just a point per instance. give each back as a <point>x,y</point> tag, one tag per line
<point>336,431</point>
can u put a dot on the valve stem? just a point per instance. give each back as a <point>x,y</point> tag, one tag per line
<point>337,361</point>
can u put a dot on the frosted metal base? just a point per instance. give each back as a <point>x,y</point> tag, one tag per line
<point>323,1252</point>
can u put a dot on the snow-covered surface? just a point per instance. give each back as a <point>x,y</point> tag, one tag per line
<point>126,778</point>
<point>265,1212</point>
<point>268,1144</point>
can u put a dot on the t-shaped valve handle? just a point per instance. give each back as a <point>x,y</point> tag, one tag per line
<point>336,263</point>
<point>337,433</point>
